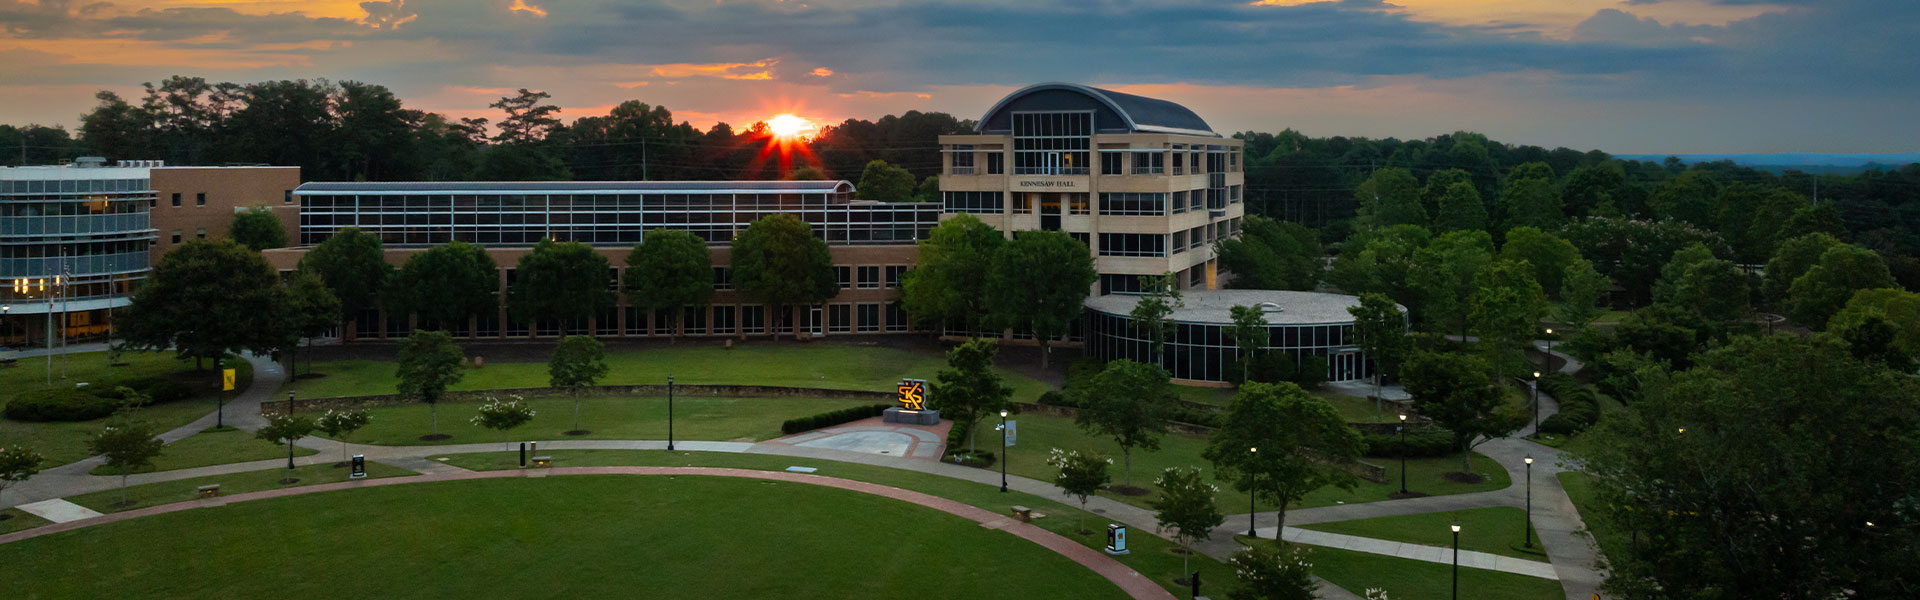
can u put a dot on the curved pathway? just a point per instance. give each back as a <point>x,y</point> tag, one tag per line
<point>1130,581</point>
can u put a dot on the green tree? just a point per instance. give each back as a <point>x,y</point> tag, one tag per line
<point>1454,391</point>
<point>1128,402</point>
<point>286,429</point>
<point>1896,308</point>
<point>1674,272</point>
<point>1277,442</point>
<point>578,362</point>
<point>206,299</point>
<point>1549,255</point>
<point>1632,251</point>
<point>428,363</point>
<point>1249,333</point>
<point>446,284</point>
<point>1826,287</point>
<point>885,182</point>
<point>503,416</point>
<point>528,119</point>
<point>1461,210</point>
<point>969,389</point>
<point>1270,573</point>
<point>564,281</point>
<point>806,173</point>
<point>1818,218</point>
<point>1506,306</point>
<point>1768,470</point>
<point>1442,276</point>
<point>1793,259</point>
<point>948,281</point>
<point>17,463</point>
<point>1593,188</point>
<point>353,265</point>
<point>1528,197</point>
<point>1687,198</point>
<point>308,309</point>
<point>1389,197</point>
<point>1381,332</point>
<point>1438,184</point>
<point>669,270</point>
<point>127,446</point>
<point>258,229</point>
<point>1273,255</point>
<point>338,424</point>
<point>1080,476</point>
<point>1037,283</point>
<point>1715,290</point>
<point>1581,290</point>
<point>1186,506</point>
<point>778,261</point>
<point>1382,261</point>
<point>929,190</point>
<point>1152,312</point>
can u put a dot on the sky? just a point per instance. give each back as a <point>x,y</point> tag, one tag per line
<point>1624,76</point>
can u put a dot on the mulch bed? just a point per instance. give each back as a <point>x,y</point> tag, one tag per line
<point>434,437</point>
<point>1409,494</point>
<point>1128,490</point>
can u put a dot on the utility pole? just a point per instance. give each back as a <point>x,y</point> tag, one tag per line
<point>643,159</point>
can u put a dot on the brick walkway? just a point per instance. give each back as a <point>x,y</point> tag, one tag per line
<point>1130,581</point>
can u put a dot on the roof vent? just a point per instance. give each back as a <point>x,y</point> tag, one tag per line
<point>1267,307</point>
<point>90,162</point>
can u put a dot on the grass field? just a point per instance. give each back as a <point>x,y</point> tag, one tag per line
<point>181,490</point>
<point>18,520</point>
<point>1579,486</point>
<point>62,443</point>
<point>1039,434</point>
<point>611,536</point>
<point>782,364</point>
<point>212,447</point>
<point>618,418</point>
<point>1495,530</point>
<point>1152,556</point>
<point>1402,578</point>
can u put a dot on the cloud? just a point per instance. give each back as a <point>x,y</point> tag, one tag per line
<point>387,14</point>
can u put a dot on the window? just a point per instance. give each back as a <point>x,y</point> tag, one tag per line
<point>636,321</point>
<point>869,318</point>
<point>1196,199</point>
<point>1179,241</point>
<point>1198,277</point>
<point>893,276</point>
<point>1133,244</point>
<point>844,275</point>
<point>176,198</point>
<point>1023,203</point>
<point>287,198</point>
<point>962,159</point>
<point>1076,204</point>
<point>1113,163</point>
<point>693,321</point>
<point>200,234</point>
<point>1233,194</point>
<point>1111,283</point>
<point>996,163</point>
<point>1052,143</point>
<point>1149,163</point>
<point>722,278</point>
<point>896,317</point>
<point>840,318</point>
<point>753,318</point>
<point>970,202</point>
<point>869,278</point>
<point>1179,202</point>
<point>723,320</point>
<point>176,237</point>
<point>1133,204</point>
<point>200,199</point>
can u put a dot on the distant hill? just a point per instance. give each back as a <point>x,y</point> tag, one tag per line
<point>1811,162</point>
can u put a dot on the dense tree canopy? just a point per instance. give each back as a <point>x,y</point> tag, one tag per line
<point>560,280</point>
<point>353,265</point>
<point>779,261</point>
<point>669,270</point>
<point>1273,255</point>
<point>1038,283</point>
<point>446,284</point>
<point>206,299</point>
<point>947,283</point>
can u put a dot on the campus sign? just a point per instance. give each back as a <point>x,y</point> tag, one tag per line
<point>912,393</point>
<point>1047,183</point>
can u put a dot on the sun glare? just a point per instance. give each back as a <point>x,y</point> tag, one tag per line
<point>787,126</point>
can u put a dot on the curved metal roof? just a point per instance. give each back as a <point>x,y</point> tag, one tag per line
<point>1141,114</point>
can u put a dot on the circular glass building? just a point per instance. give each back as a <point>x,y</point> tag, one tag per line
<point>1301,324</point>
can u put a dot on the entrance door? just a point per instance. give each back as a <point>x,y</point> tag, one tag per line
<point>1050,212</point>
<point>813,320</point>
<point>1051,164</point>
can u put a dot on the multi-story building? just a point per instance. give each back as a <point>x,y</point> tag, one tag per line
<point>1145,183</point>
<point>76,240</point>
<point>871,244</point>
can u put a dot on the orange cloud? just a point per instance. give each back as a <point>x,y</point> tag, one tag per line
<point>149,53</point>
<point>822,72</point>
<point>522,6</point>
<point>722,70</point>
<point>1553,18</point>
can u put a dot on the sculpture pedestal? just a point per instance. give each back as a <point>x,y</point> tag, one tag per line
<point>910,417</point>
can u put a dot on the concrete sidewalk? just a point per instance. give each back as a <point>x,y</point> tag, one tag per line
<point>1433,554</point>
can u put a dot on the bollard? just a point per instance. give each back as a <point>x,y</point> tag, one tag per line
<point>523,455</point>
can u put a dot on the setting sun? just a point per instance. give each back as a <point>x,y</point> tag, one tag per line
<point>788,126</point>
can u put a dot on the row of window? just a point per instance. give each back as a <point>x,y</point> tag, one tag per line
<point>1204,352</point>
<point>1133,244</point>
<point>1111,203</point>
<point>72,186</point>
<point>726,319</point>
<point>840,224</point>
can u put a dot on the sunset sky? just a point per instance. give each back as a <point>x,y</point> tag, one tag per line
<point>1626,76</point>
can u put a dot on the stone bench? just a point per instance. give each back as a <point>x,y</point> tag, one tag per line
<point>1023,513</point>
<point>208,491</point>
<point>542,461</point>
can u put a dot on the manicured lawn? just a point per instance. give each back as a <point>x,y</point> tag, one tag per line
<point>1402,578</point>
<point>62,443</point>
<point>815,365</point>
<point>1360,410</point>
<point>608,417</point>
<point>1039,434</point>
<point>1205,395</point>
<point>212,447</point>
<point>1612,540</point>
<point>181,490</point>
<point>18,520</point>
<point>1494,530</point>
<point>573,537</point>
<point>1152,556</point>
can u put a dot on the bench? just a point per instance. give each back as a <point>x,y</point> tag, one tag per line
<point>1023,513</point>
<point>208,491</point>
<point>542,461</point>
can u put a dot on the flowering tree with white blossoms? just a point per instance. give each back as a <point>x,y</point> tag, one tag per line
<point>1272,573</point>
<point>1081,475</point>
<point>338,424</point>
<point>503,415</point>
<point>1186,506</point>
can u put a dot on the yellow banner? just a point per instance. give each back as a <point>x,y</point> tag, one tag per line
<point>226,380</point>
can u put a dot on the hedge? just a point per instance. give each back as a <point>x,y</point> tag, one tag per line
<point>1420,443</point>
<point>1579,404</point>
<point>829,419</point>
<point>60,405</point>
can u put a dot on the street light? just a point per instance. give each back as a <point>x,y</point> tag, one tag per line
<point>1003,450</point>
<point>1535,387</point>
<point>1529,461</point>
<point>1456,560</point>
<point>1251,532</point>
<point>1403,453</point>
<point>669,413</point>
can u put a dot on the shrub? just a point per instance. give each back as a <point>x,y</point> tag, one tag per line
<point>1579,404</point>
<point>1421,443</point>
<point>829,419</point>
<point>961,457</point>
<point>1055,398</point>
<point>1083,369</point>
<point>60,405</point>
<point>165,390</point>
<point>957,436</point>
<point>1195,416</point>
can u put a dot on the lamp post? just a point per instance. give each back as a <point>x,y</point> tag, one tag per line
<point>1003,450</point>
<point>1529,461</point>
<point>289,403</point>
<point>220,400</point>
<point>1456,560</point>
<point>1251,532</point>
<point>1534,386</point>
<point>6,310</point>
<point>669,413</point>
<point>1403,453</point>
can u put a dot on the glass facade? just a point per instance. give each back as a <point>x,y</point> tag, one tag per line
<point>83,236</point>
<point>1203,351</point>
